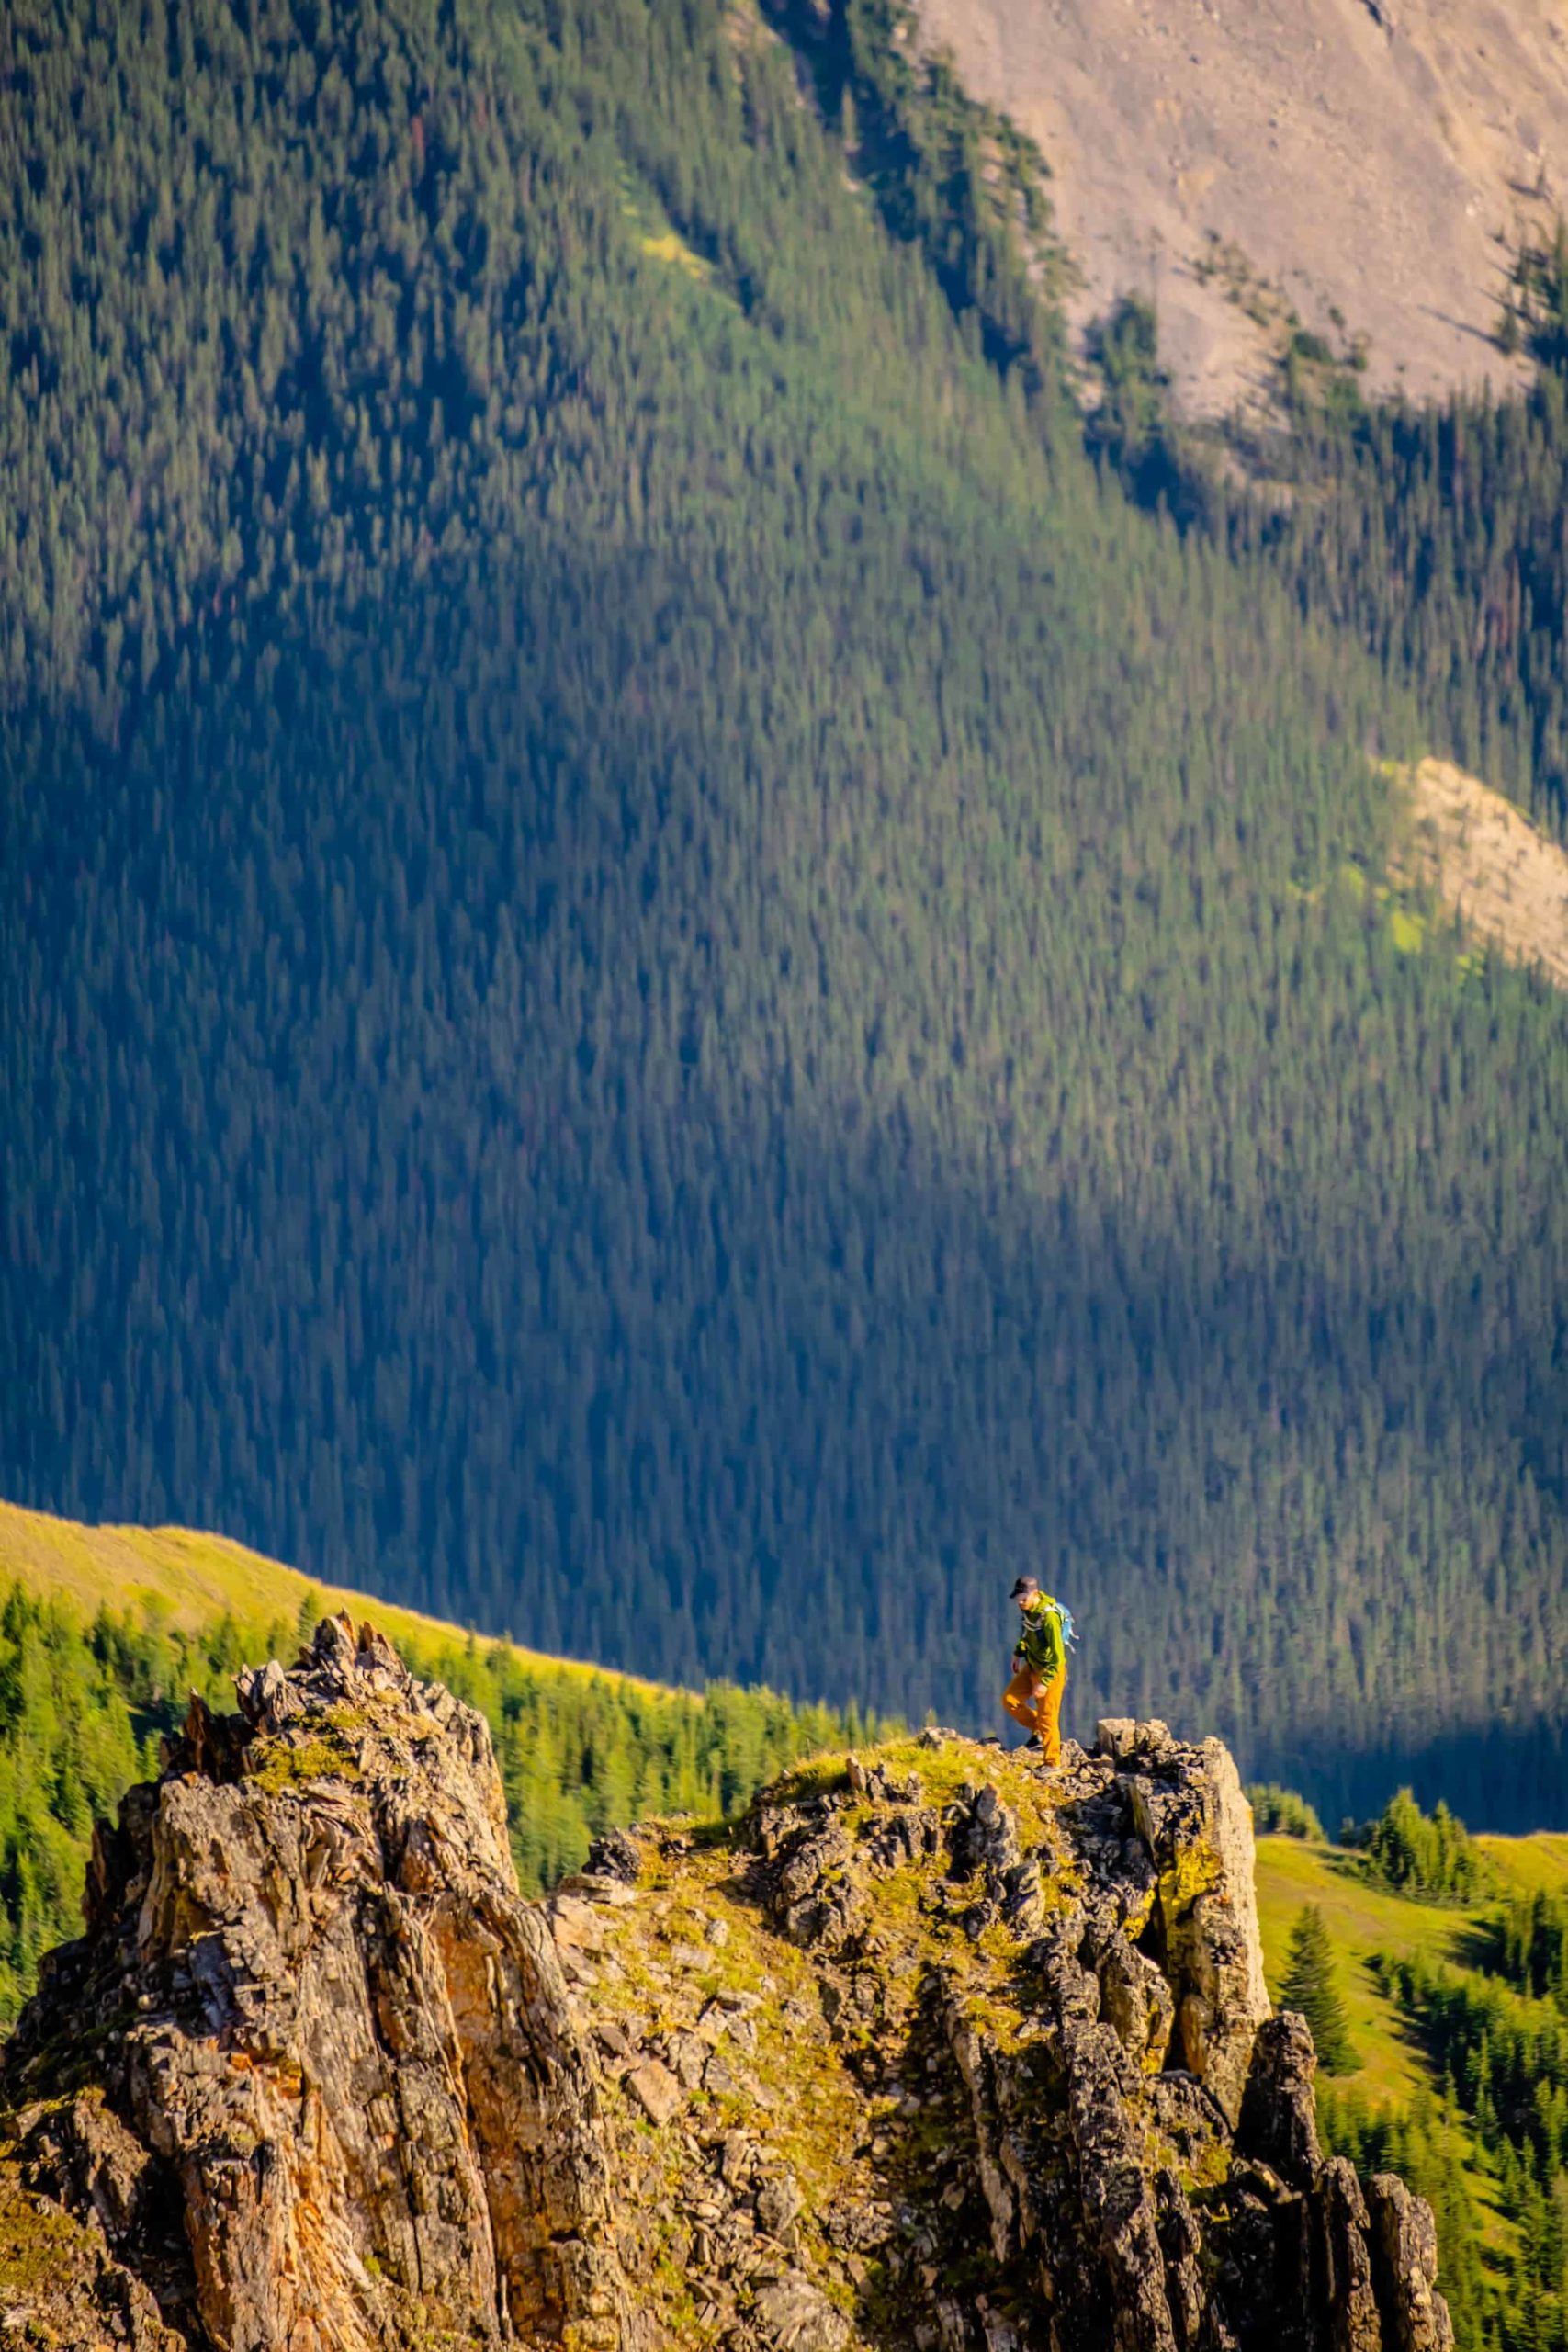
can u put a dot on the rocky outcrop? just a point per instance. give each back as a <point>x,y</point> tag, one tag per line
<point>1404,2265</point>
<point>342,2101</point>
<point>934,2050</point>
<point>1193,1829</point>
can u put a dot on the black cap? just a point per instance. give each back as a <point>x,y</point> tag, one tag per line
<point>1024,1586</point>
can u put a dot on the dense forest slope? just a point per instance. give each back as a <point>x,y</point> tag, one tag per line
<point>665,980</point>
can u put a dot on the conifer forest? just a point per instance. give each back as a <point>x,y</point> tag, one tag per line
<point>680,975</point>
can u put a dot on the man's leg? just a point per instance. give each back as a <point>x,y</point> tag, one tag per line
<point>1048,1718</point>
<point>1019,1698</point>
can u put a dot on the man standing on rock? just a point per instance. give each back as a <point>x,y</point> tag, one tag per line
<point>1033,1697</point>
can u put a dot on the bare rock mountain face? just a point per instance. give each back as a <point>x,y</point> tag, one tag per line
<point>1370,166</point>
<point>934,2050</point>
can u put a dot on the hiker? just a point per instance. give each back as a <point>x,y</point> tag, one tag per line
<point>1033,1697</point>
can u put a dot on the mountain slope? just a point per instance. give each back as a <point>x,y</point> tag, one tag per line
<point>1366,1917</point>
<point>106,1632</point>
<point>1459,2068</point>
<point>666,982</point>
<point>186,1578</point>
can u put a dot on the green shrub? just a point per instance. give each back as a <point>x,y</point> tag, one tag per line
<point>1281,1812</point>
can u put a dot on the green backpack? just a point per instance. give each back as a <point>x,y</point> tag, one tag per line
<point>1048,1634</point>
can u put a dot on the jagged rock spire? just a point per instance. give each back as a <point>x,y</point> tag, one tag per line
<point>340,2070</point>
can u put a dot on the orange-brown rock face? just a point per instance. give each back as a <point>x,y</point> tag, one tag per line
<point>346,2100</point>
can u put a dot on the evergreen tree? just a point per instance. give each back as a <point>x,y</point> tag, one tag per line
<point>1281,1812</point>
<point>1310,1988</point>
<point>1431,1856</point>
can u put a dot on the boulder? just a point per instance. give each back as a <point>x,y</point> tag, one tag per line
<point>795,2316</point>
<point>655,2091</point>
<point>1404,2268</point>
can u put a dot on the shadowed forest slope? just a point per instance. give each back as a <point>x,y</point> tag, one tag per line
<point>665,983</point>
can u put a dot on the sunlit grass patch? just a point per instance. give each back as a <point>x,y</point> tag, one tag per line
<point>679,254</point>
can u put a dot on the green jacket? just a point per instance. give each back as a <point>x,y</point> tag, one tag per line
<point>1040,1644</point>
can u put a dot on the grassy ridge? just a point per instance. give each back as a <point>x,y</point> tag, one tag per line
<point>188,1577</point>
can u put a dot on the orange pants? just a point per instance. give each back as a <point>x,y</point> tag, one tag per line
<point>1038,1707</point>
